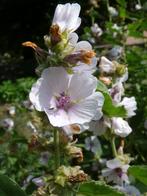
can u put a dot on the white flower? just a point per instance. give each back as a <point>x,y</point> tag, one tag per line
<point>116,27</point>
<point>28,105</point>
<point>7,124</point>
<point>121,127</point>
<point>31,127</point>
<point>116,92</point>
<point>116,172</point>
<point>113,12</point>
<point>79,128</point>
<point>66,99</point>
<point>38,181</point>
<point>83,67</point>
<point>129,190</point>
<point>138,7</point>
<point>130,105</point>
<point>67,17</point>
<point>96,30</point>
<point>81,55</point>
<point>93,144</point>
<point>115,52</point>
<point>106,66</point>
<point>12,110</point>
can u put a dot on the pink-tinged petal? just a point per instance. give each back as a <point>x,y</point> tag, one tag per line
<point>53,81</point>
<point>121,127</point>
<point>73,38</point>
<point>56,79</point>
<point>130,105</point>
<point>73,17</point>
<point>82,67</point>
<point>83,45</point>
<point>106,172</point>
<point>67,16</point>
<point>58,118</point>
<point>39,96</point>
<point>125,178</point>
<point>83,111</point>
<point>114,163</point>
<point>125,168</point>
<point>81,86</point>
<point>99,112</point>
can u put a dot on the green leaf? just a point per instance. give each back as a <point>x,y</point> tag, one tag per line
<point>9,188</point>
<point>94,188</point>
<point>112,110</point>
<point>109,108</point>
<point>139,172</point>
<point>102,87</point>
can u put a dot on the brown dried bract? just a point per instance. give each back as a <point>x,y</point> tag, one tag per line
<point>30,44</point>
<point>55,34</point>
<point>81,177</point>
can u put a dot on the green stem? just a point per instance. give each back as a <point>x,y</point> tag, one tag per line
<point>108,5</point>
<point>57,149</point>
<point>113,146</point>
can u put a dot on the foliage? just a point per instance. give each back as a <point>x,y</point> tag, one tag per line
<point>97,188</point>
<point>15,91</point>
<point>21,150</point>
<point>8,187</point>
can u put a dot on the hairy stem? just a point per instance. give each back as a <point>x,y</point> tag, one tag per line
<point>57,149</point>
<point>113,146</point>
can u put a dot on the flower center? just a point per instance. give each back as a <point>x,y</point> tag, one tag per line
<point>63,101</point>
<point>119,172</point>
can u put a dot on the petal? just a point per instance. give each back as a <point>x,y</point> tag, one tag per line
<point>130,105</point>
<point>81,86</point>
<point>114,163</point>
<point>125,178</point>
<point>82,67</point>
<point>106,172</point>
<point>67,16</point>
<point>38,101</point>
<point>83,111</point>
<point>99,112</point>
<point>53,81</point>
<point>83,45</point>
<point>121,127</point>
<point>73,38</point>
<point>58,118</point>
<point>106,66</point>
<point>73,17</point>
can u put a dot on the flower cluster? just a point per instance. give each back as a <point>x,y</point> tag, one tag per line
<point>66,90</point>
<point>73,99</point>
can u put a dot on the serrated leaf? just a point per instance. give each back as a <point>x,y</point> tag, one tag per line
<point>139,172</point>
<point>94,188</point>
<point>9,188</point>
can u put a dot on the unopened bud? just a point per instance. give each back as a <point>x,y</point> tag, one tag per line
<point>105,80</point>
<point>120,68</point>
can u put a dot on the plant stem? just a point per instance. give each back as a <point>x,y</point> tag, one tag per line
<point>57,149</point>
<point>113,146</point>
